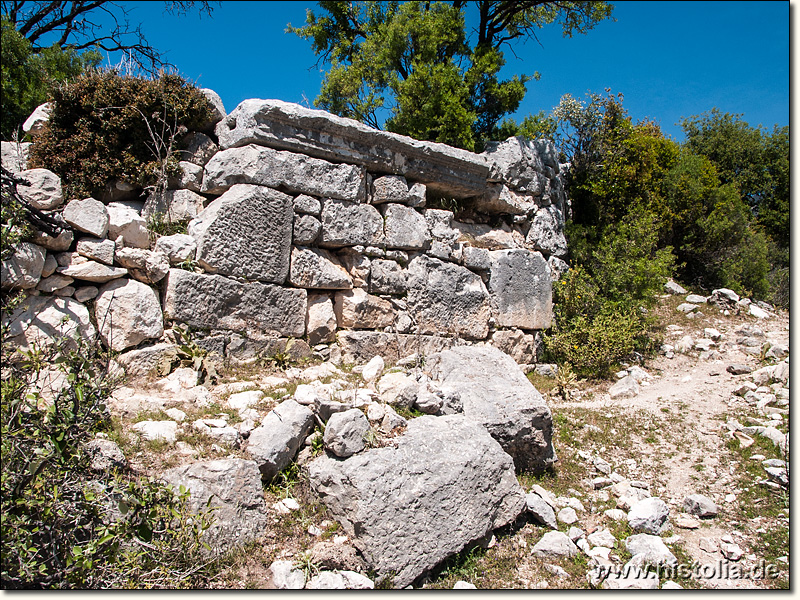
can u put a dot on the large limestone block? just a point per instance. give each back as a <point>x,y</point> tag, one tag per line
<point>40,320</point>
<point>246,232</point>
<point>314,268</point>
<point>547,232</point>
<point>23,269</point>
<point>232,487</point>
<point>125,222</point>
<point>521,289</point>
<point>405,228</point>
<point>98,249</point>
<point>320,319</point>
<point>289,126</point>
<point>518,163</point>
<point>284,170</point>
<point>44,191</point>
<point>87,215</point>
<point>495,393</point>
<point>500,199</point>
<point>350,224</point>
<point>216,302</point>
<point>359,310</point>
<point>442,485</point>
<point>275,442</point>
<point>128,312</point>
<point>447,298</point>
<point>173,206</point>
<point>361,346</point>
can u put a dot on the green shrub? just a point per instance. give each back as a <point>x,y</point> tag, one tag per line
<point>64,526</point>
<point>592,335</point>
<point>723,248</point>
<point>601,304</point>
<point>107,127</point>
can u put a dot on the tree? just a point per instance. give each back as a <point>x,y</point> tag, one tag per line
<point>79,25</point>
<point>27,77</point>
<point>46,43</point>
<point>751,159</point>
<point>412,68</point>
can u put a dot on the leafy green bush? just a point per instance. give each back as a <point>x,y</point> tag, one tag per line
<point>601,304</point>
<point>64,526</point>
<point>590,333</point>
<point>107,127</point>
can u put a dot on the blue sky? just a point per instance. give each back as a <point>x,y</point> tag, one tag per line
<point>669,59</point>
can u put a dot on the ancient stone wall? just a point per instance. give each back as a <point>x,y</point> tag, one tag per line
<point>305,225</point>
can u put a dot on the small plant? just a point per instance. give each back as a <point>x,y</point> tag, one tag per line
<point>285,481</point>
<point>282,359</point>
<point>160,225</point>
<point>305,563</point>
<point>565,381</point>
<point>192,355</point>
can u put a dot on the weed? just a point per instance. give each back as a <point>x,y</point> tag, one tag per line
<point>305,563</point>
<point>192,355</point>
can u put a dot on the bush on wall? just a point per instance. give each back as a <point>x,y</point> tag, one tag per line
<point>107,127</point>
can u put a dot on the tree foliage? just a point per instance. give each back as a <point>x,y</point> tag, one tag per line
<point>28,77</point>
<point>754,161</point>
<point>412,68</point>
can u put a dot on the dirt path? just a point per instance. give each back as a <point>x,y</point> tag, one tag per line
<point>689,399</point>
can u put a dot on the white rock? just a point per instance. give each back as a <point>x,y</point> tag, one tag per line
<point>245,399</point>
<point>23,269</point>
<point>626,387</point>
<point>286,577</point>
<point>178,248</point>
<point>87,215</point>
<point>38,118</point>
<point>554,543</point>
<point>157,430</point>
<point>125,222</point>
<point>373,369</point>
<point>567,515</point>
<point>356,581</point>
<point>464,585</point>
<point>128,312</point>
<point>602,537</point>
<point>326,580</point>
<point>649,516</point>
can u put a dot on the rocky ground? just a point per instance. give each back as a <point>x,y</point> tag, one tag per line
<point>679,463</point>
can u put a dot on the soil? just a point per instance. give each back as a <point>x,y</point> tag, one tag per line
<point>692,453</point>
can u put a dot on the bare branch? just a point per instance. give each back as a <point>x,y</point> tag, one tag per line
<point>76,26</point>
